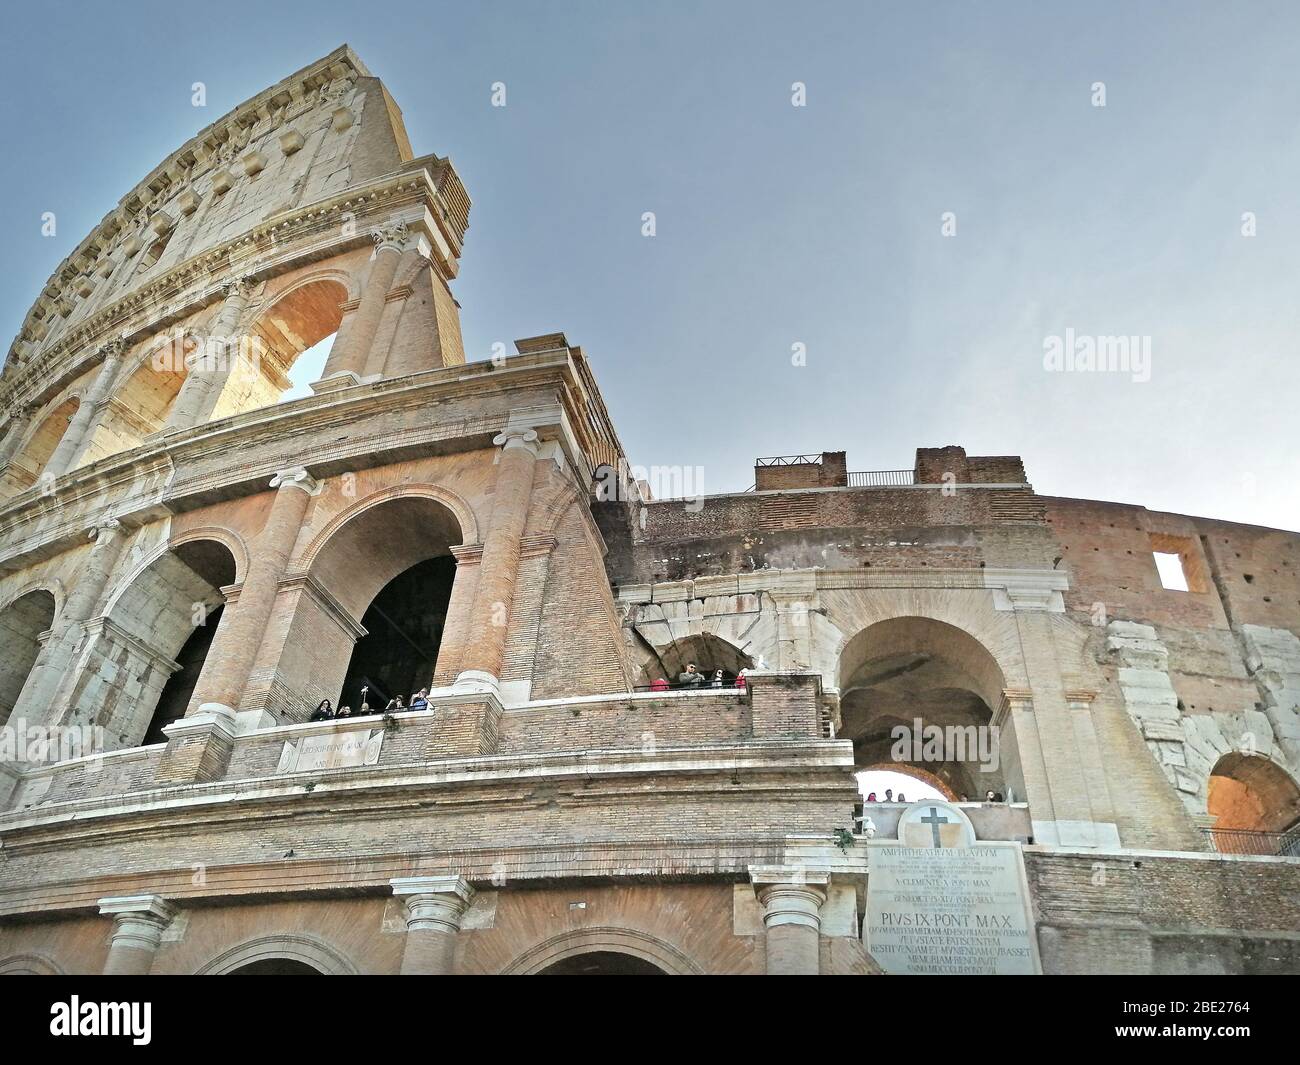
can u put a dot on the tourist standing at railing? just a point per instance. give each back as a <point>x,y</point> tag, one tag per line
<point>323,712</point>
<point>741,682</point>
<point>395,705</point>
<point>344,711</point>
<point>659,684</point>
<point>717,678</point>
<point>692,678</point>
<point>420,700</point>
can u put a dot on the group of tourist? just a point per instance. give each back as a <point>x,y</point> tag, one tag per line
<point>989,796</point>
<point>693,678</point>
<point>326,712</point>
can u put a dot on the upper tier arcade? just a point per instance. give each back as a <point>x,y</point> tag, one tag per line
<point>300,215</point>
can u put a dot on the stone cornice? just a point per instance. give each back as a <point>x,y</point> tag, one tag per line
<point>190,286</point>
<point>158,477</point>
<point>808,582</point>
<point>197,155</point>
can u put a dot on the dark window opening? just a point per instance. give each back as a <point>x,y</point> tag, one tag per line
<point>404,625</point>
<point>180,685</point>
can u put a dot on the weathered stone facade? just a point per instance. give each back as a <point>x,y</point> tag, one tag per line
<point>188,567</point>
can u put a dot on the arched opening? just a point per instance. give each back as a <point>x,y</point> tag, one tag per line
<point>1255,804</point>
<point>26,466</point>
<point>708,652</point>
<point>917,696</point>
<point>390,568</point>
<point>146,655</point>
<point>893,782</point>
<point>139,406</point>
<point>403,624</point>
<point>602,963</point>
<point>21,624</point>
<point>276,967</point>
<point>302,321</point>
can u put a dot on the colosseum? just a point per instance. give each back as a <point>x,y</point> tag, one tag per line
<point>190,566</point>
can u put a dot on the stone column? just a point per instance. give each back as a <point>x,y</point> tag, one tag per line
<point>484,649</point>
<point>243,624</point>
<point>89,413</point>
<point>138,924</point>
<point>16,421</point>
<point>435,906</point>
<point>347,358</point>
<point>791,899</point>
<point>211,366</point>
<point>53,676</point>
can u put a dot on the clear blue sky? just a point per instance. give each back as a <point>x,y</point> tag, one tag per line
<point>780,225</point>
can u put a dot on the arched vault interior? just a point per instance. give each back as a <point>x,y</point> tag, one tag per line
<point>904,671</point>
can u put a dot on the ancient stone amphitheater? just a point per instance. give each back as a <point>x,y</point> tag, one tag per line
<point>189,566</point>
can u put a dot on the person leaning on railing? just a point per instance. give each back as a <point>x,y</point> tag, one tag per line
<point>692,678</point>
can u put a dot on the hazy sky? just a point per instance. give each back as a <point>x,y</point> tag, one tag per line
<point>780,225</point>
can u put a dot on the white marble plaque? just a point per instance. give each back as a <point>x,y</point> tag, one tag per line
<point>331,751</point>
<point>957,910</point>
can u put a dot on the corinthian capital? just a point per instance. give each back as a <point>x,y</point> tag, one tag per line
<point>238,287</point>
<point>391,235</point>
<point>112,349</point>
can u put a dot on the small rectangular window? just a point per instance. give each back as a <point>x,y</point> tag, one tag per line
<point>1170,567</point>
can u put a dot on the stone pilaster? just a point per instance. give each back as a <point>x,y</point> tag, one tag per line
<point>347,358</point>
<point>791,899</point>
<point>211,366</point>
<point>138,925</point>
<point>435,906</point>
<point>53,677</point>
<point>89,413</point>
<point>484,649</point>
<point>16,422</point>
<point>199,745</point>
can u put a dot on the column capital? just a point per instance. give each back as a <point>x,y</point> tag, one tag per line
<point>104,532</point>
<point>296,477</point>
<point>433,903</point>
<point>154,906</point>
<point>112,349</point>
<point>238,287</point>
<point>391,236</point>
<point>517,438</point>
<point>790,894</point>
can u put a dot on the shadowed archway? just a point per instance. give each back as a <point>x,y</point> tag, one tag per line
<point>21,624</point>
<point>920,694</point>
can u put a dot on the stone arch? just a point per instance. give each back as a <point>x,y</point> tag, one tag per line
<point>23,620</point>
<point>151,639</point>
<point>36,450</point>
<point>377,582</point>
<point>280,329</point>
<point>604,939</point>
<point>459,508</point>
<point>143,395</point>
<point>295,947</point>
<point>29,965</point>
<point>917,773</point>
<point>708,650</point>
<point>911,667</point>
<point>1252,793</point>
<point>228,538</point>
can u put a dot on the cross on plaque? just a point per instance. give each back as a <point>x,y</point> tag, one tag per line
<point>934,821</point>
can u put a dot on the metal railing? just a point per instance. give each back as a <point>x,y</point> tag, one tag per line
<point>790,460</point>
<point>707,686</point>
<point>880,478</point>
<point>1242,841</point>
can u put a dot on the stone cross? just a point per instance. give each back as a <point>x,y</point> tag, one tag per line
<point>934,821</point>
